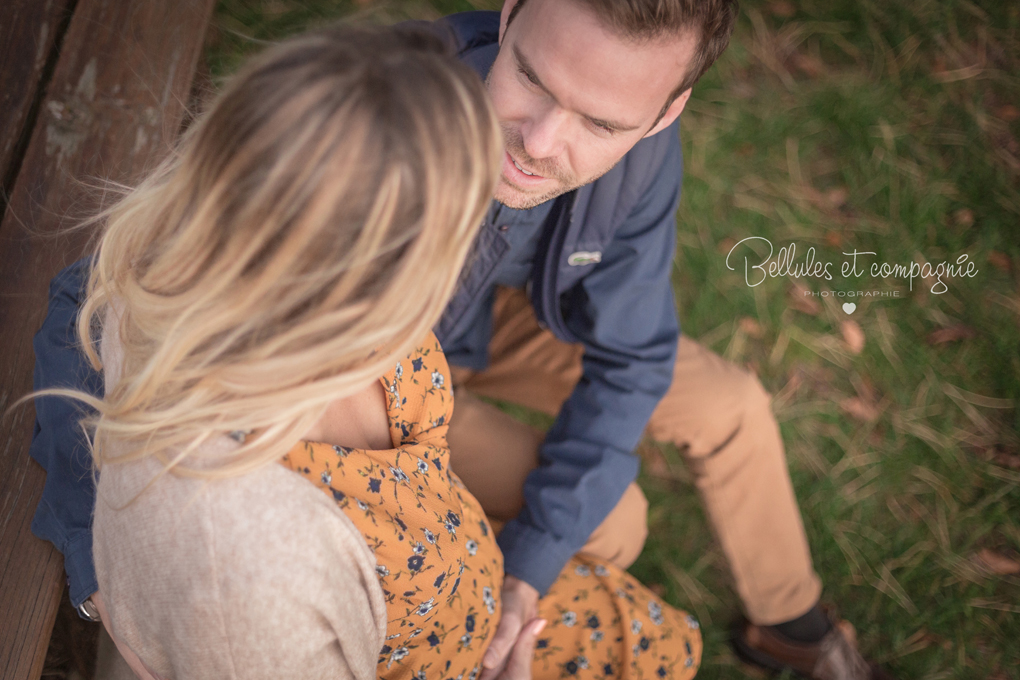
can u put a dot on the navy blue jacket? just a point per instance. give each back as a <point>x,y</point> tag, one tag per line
<point>620,308</point>
<point>618,304</point>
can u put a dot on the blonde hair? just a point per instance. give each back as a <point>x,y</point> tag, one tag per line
<point>309,231</point>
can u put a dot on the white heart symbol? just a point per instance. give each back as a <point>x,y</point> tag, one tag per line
<point>849,307</point>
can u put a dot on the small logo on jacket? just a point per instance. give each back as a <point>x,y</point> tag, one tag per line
<point>583,257</point>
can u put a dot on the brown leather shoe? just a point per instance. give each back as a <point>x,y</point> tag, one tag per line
<point>834,657</point>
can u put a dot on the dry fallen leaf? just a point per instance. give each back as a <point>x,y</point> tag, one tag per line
<point>997,563</point>
<point>726,245</point>
<point>1007,460</point>
<point>865,388</point>
<point>947,334</point>
<point>1006,141</point>
<point>807,64</point>
<point>837,196</point>
<point>1000,260</point>
<point>1007,112</point>
<point>964,217</point>
<point>832,200</point>
<point>782,9</point>
<point>742,89</point>
<point>834,239</point>
<point>860,409</point>
<point>751,327</point>
<point>801,302</point>
<point>853,336</point>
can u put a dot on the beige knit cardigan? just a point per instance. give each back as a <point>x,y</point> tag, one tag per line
<point>257,576</point>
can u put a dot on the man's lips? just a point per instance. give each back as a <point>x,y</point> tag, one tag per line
<point>518,166</point>
<point>517,174</point>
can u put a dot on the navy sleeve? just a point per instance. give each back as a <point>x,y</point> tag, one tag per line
<point>64,515</point>
<point>625,315</point>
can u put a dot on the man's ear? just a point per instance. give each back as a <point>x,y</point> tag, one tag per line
<point>508,5</point>
<point>672,113</point>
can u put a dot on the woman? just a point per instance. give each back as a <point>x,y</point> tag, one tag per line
<point>275,498</point>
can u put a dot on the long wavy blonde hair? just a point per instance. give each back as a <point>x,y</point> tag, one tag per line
<point>309,230</point>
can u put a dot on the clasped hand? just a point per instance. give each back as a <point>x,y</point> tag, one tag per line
<point>512,647</point>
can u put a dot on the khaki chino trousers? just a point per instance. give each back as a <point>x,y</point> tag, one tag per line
<point>717,414</point>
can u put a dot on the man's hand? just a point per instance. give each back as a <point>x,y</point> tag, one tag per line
<point>132,659</point>
<point>516,631</point>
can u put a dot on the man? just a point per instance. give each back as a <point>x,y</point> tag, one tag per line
<point>567,307</point>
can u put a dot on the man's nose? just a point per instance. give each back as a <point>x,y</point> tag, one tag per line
<point>545,136</point>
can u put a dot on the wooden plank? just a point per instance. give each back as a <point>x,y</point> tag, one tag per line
<point>29,32</point>
<point>115,100</point>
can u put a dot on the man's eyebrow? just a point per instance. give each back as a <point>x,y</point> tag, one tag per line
<point>524,65</point>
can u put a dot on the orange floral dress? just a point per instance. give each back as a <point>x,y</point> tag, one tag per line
<point>441,571</point>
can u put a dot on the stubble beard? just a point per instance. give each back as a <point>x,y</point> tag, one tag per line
<point>514,197</point>
<point>517,198</point>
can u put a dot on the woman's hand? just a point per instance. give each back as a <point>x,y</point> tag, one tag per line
<point>509,654</point>
<point>518,663</point>
<point>132,659</point>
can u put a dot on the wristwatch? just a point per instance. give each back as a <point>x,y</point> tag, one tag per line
<point>88,611</point>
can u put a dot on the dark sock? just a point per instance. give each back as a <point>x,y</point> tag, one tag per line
<point>810,627</point>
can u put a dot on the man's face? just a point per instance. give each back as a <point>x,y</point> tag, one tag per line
<point>573,98</point>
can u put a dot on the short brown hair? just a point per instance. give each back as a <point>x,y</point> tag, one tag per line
<point>712,20</point>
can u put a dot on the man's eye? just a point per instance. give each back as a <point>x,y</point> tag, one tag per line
<point>605,129</point>
<point>530,76</point>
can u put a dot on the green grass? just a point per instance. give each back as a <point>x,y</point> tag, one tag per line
<point>845,126</point>
<point>848,124</point>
